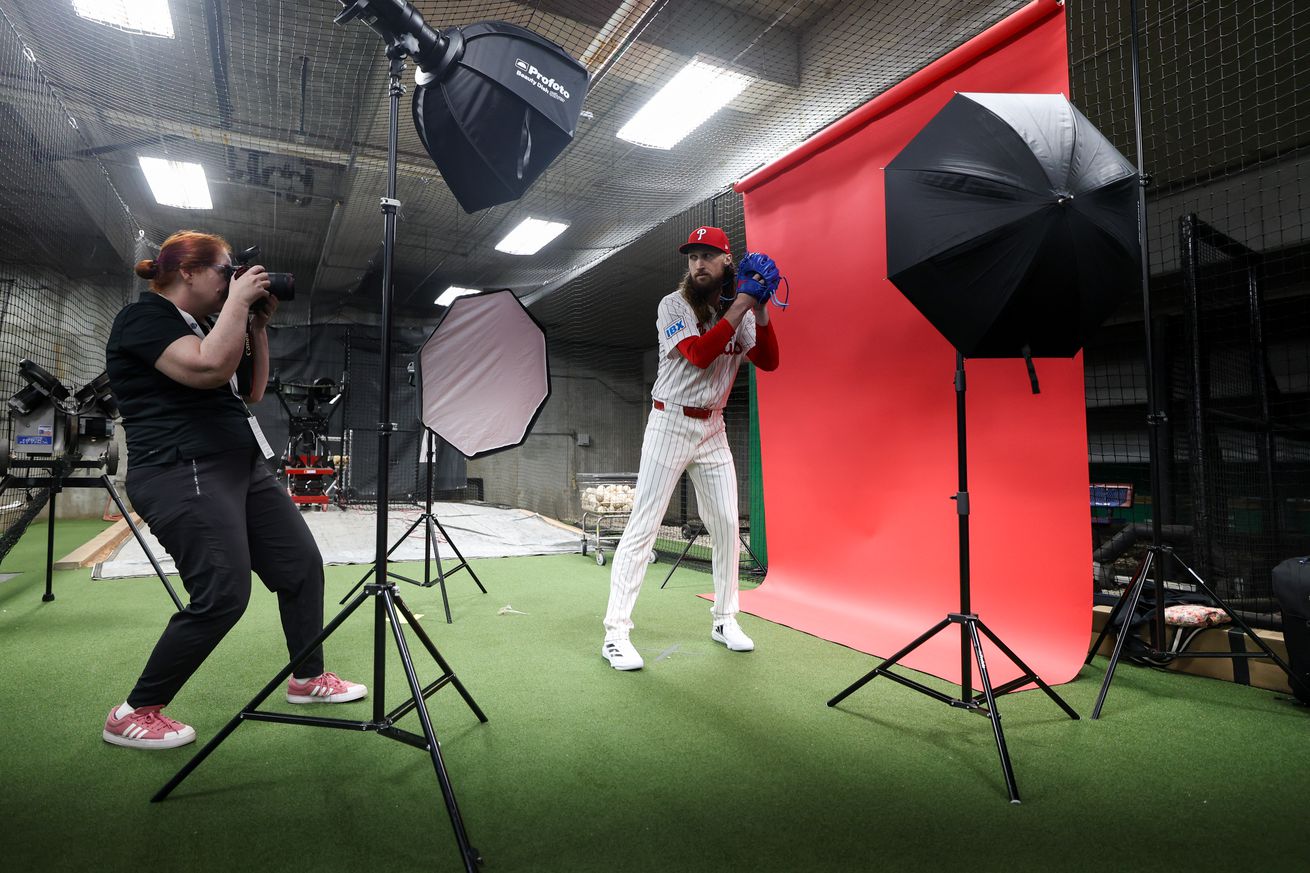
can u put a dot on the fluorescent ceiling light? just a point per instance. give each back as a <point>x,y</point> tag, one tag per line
<point>530,236</point>
<point>148,17</point>
<point>691,97</point>
<point>177,183</point>
<point>448,296</point>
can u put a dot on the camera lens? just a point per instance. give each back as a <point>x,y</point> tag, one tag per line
<point>282,285</point>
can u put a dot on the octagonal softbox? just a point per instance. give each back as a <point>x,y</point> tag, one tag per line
<point>483,373</point>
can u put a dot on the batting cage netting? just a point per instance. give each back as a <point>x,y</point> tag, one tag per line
<point>286,112</point>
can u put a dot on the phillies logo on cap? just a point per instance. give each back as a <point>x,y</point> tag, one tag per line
<point>713,237</point>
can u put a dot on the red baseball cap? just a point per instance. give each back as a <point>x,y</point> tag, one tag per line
<point>713,237</point>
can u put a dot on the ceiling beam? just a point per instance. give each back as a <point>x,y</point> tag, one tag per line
<point>364,157</point>
<point>768,51</point>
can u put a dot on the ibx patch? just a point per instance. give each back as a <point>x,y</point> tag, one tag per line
<point>674,328</point>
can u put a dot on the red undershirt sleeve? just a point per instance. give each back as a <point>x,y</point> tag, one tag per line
<point>765,352</point>
<point>702,350</point>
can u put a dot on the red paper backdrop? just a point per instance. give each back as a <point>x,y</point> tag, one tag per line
<point>858,428</point>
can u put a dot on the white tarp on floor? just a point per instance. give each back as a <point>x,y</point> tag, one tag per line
<point>349,537</point>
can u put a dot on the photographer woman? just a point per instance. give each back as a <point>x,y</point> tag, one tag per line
<point>197,474</point>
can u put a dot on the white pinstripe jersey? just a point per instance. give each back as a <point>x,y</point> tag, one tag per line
<point>680,381</point>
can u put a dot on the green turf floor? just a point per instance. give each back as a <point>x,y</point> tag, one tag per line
<point>705,761</point>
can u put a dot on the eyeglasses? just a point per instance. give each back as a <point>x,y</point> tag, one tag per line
<point>226,269</point>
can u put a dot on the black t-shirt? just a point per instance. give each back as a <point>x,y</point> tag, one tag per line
<point>165,420</point>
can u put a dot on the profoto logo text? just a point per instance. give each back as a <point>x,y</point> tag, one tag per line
<point>530,73</point>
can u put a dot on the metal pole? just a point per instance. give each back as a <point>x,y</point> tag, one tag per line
<point>961,499</point>
<point>390,205</point>
<point>1154,417</point>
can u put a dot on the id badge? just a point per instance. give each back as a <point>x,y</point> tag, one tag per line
<point>259,438</point>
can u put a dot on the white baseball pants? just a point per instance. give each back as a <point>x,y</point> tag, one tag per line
<point>673,443</point>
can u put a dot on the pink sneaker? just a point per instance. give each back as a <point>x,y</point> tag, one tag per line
<point>328,688</point>
<point>146,728</point>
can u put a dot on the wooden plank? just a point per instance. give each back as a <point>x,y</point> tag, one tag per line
<point>554,522</point>
<point>99,547</point>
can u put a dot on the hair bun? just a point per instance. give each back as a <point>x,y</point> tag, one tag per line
<point>147,269</point>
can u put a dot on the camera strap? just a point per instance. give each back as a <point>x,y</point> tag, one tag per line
<point>231,383</point>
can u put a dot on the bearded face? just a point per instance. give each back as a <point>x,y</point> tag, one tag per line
<point>706,270</point>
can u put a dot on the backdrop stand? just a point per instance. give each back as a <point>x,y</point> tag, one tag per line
<point>388,607</point>
<point>430,548</point>
<point>970,627</point>
<point>693,531</point>
<point>1158,555</point>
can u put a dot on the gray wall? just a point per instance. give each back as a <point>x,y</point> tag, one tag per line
<point>608,404</point>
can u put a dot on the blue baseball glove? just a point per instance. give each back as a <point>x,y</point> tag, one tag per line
<point>757,275</point>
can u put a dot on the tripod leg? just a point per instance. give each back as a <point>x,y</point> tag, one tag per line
<point>436,656</point>
<point>746,544</point>
<point>887,664</point>
<point>1293,679</point>
<point>1028,671</point>
<point>373,569</point>
<point>154,562</point>
<point>50,551</point>
<point>685,549</point>
<point>470,855</point>
<point>1114,612</point>
<point>258,699</point>
<point>1133,595</point>
<point>992,714</point>
<point>462,560</point>
<point>441,575</point>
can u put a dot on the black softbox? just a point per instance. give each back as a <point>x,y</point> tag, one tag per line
<point>498,108</point>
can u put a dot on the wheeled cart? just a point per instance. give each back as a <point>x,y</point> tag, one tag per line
<point>604,504</point>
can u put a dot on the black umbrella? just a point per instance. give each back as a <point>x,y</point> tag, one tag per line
<point>497,107</point>
<point>1012,223</point>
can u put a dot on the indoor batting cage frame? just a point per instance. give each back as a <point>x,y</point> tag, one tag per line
<point>1160,556</point>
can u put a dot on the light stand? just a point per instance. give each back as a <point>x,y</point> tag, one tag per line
<point>388,607</point>
<point>57,481</point>
<point>1158,555</point>
<point>430,548</point>
<point>970,626</point>
<point>692,531</point>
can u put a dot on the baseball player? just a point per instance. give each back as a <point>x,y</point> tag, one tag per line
<point>705,328</point>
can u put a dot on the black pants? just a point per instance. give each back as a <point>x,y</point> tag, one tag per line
<point>221,517</point>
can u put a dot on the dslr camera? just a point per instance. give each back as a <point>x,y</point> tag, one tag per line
<point>280,285</point>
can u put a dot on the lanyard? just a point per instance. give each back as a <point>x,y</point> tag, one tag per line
<point>232,383</point>
<point>198,331</point>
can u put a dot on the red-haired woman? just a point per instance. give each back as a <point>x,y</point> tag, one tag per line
<point>196,473</point>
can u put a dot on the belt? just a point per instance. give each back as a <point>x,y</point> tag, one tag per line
<point>689,411</point>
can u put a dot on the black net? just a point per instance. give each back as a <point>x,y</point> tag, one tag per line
<point>1225,125</point>
<point>1247,437</point>
<point>67,241</point>
<point>287,115</point>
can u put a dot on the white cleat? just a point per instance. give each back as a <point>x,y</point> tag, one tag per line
<point>622,655</point>
<point>731,635</point>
